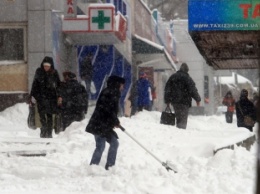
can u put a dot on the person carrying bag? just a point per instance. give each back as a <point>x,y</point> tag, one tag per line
<point>245,111</point>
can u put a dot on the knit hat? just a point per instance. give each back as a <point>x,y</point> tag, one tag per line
<point>184,67</point>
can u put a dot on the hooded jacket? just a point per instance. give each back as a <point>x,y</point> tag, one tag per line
<point>104,118</point>
<point>180,89</point>
<point>44,87</point>
<point>248,109</point>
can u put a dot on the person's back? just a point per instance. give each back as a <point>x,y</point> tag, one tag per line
<point>179,91</point>
<point>244,107</point>
<point>75,101</point>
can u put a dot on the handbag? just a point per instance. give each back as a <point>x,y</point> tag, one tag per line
<point>167,117</point>
<point>31,122</point>
<point>248,121</point>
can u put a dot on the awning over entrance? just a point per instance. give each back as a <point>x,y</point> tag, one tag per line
<point>229,49</point>
<point>151,54</point>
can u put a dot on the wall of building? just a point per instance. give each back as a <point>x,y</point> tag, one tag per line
<point>188,52</point>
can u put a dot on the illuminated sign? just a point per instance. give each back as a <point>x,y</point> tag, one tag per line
<point>221,15</point>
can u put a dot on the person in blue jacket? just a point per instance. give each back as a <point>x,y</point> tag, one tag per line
<point>144,95</point>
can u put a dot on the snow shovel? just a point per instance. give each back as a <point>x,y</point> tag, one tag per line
<point>165,164</point>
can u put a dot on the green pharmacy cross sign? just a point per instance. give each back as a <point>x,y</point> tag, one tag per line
<point>101,19</point>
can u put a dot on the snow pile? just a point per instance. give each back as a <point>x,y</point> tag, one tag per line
<point>67,170</point>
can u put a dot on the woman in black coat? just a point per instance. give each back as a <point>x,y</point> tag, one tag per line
<point>44,90</point>
<point>104,119</point>
<point>244,107</point>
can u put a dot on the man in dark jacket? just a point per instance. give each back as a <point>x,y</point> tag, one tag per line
<point>74,100</point>
<point>104,119</point>
<point>179,91</point>
<point>244,107</point>
<point>44,91</point>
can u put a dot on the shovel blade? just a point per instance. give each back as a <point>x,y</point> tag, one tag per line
<point>170,166</point>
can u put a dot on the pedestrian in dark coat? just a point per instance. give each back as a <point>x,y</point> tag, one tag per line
<point>86,71</point>
<point>144,95</point>
<point>104,120</point>
<point>74,104</point>
<point>244,107</point>
<point>179,91</point>
<point>44,91</point>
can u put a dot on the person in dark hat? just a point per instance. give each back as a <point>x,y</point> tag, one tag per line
<point>44,91</point>
<point>179,91</point>
<point>105,119</point>
<point>73,101</point>
<point>244,107</point>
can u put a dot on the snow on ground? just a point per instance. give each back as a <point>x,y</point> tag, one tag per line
<point>67,170</point>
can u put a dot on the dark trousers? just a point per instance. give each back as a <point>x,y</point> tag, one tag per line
<point>47,125</point>
<point>229,117</point>
<point>100,147</point>
<point>181,115</point>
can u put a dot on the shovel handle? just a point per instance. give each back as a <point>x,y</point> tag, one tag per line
<point>122,128</point>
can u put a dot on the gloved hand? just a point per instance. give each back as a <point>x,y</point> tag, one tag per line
<point>33,100</point>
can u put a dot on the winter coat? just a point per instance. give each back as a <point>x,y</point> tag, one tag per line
<point>143,92</point>
<point>248,109</point>
<point>74,97</point>
<point>180,89</point>
<point>44,88</point>
<point>104,118</point>
<point>230,103</point>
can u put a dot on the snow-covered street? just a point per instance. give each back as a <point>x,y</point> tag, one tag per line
<point>65,169</point>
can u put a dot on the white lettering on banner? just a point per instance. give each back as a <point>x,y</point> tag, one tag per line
<point>226,26</point>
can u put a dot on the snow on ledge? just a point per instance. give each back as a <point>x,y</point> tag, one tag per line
<point>149,42</point>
